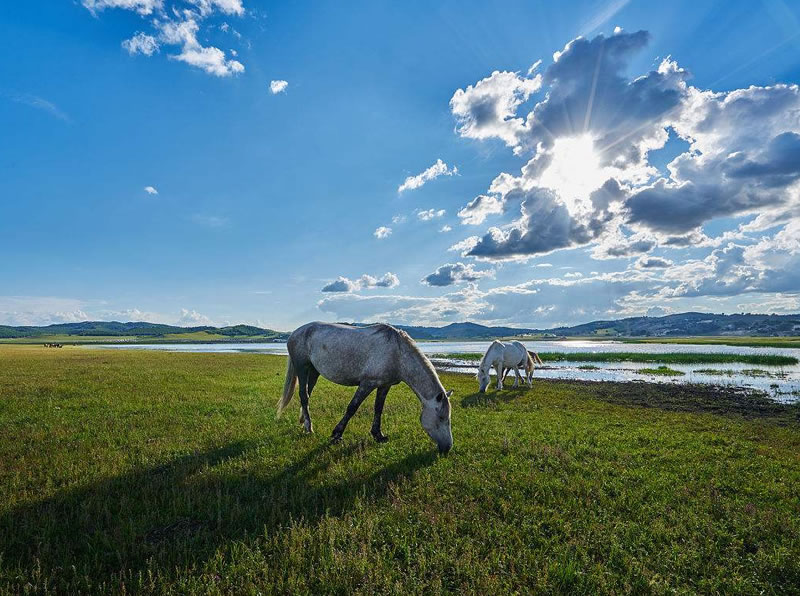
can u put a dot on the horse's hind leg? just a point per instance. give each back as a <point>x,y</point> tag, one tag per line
<point>380,399</point>
<point>302,379</point>
<point>516,377</point>
<point>313,376</point>
<point>361,394</point>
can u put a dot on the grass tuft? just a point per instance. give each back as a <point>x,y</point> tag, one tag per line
<point>664,371</point>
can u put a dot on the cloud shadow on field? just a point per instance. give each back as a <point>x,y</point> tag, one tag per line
<point>179,514</point>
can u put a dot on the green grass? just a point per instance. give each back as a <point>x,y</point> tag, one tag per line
<point>588,367</point>
<point>133,471</point>
<point>662,370</point>
<point>666,358</point>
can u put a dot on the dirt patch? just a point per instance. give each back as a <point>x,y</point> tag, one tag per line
<point>689,397</point>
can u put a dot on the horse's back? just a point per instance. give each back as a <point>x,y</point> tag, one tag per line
<point>346,354</point>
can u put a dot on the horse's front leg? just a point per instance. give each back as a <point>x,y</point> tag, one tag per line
<point>498,366</point>
<point>361,394</point>
<point>380,399</point>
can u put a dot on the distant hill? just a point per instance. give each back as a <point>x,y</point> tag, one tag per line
<point>140,330</point>
<point>689,324</point>
<point>463,331</point>
<point>679,325</point>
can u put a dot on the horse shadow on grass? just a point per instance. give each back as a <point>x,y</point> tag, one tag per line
<point>179,514</point>
<point>494,397</point>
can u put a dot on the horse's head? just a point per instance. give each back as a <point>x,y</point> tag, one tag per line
<point>483,379</point>
<point>436,420</point>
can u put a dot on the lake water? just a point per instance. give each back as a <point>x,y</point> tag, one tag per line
<point>783,382</point>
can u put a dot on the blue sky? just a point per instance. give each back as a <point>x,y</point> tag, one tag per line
<point>224,161</point>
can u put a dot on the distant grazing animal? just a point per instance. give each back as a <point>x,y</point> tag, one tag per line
<point>503,356</point>
<point>372,357</point>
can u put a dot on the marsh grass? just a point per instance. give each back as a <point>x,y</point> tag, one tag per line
<point>666,358</point>
<point>724,340</point>
<point>747,372</point>
<point>663,371</point>
<point>150,472</point>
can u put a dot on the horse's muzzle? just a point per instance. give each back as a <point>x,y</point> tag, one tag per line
<point>445,448</point>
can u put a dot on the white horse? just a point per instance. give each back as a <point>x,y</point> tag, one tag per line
<point>530,364</point>
<point>503,356</point>
<point>372,357</point>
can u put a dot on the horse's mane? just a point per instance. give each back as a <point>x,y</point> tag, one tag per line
<point>403,340</point>
<point>391,334</point>
<point>483,360</point>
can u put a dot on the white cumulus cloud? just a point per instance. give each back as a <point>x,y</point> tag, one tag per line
<point>178,26</point>
<point>143,7</point>
<point>192,318</point>
<point>429,214</point>
<point>382,232</point>
<point>276,87</point>
<point>588,141</point>
<point>365,282</point>
<point>141,43</point>
<point>437,169</point>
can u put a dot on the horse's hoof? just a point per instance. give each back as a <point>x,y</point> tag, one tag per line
<point>336,438</point>
<point>380,438</point>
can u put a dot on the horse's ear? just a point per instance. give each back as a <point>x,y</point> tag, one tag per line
<point>449,393</point>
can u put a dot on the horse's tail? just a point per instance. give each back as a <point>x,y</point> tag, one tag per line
<point>288,387</point>
<point>535,357</point>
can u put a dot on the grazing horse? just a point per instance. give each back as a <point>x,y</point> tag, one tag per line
<point>502,356</point>
<point>530,363</point>
<point>371,357</point>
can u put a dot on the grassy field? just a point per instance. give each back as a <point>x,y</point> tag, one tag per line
<point>666,358</point>
<point>145,472</point>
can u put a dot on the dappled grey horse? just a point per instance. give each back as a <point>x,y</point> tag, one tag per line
<point>371,357</point>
